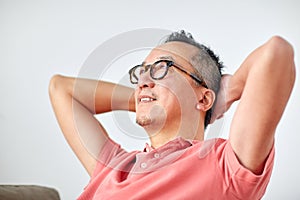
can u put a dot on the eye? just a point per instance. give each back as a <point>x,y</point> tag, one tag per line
<point>140,70</point>
<point>159,70</point>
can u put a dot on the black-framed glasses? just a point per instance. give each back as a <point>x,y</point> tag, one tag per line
<point>158,70</point>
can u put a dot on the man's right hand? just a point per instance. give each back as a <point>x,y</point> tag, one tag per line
<point>222,102</point>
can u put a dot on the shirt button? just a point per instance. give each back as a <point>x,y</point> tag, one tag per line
<point>156,155</point>
<point>143,165</point>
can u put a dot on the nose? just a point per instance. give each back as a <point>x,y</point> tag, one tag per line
<point>146,81</point>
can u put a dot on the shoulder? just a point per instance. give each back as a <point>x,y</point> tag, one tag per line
<point>240,181</point>
<point>210,147</point>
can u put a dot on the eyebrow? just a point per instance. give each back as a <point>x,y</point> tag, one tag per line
<point>166,58</point>
<point>161,58</point>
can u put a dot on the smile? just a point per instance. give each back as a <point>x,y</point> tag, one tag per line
<point>146,99</point>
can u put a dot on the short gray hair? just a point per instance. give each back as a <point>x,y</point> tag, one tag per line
<point>207,64</point>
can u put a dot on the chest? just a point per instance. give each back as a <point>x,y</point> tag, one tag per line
<point>148,175</point>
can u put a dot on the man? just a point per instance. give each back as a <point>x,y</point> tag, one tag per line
<point>176,89</point>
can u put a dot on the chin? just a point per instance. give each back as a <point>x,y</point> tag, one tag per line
<point>151,124</point>
<point>143,121</point>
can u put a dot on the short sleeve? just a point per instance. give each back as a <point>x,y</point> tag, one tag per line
<point>243,183</point>
<point>108,151</point>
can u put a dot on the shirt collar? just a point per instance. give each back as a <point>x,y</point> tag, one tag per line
<point>178,143</point>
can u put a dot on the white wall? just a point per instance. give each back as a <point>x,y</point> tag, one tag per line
<point>42,38</point>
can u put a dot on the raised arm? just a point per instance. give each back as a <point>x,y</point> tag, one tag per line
<point>75,102</point>
<point>263,84</point>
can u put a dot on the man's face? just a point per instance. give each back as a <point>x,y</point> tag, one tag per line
<point>166,103</point>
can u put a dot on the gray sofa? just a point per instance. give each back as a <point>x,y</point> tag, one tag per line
<point>28,192</point>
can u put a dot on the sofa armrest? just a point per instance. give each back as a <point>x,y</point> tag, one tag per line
<point>28,192</point>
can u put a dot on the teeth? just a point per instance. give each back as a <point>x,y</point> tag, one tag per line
<point>146,99</point>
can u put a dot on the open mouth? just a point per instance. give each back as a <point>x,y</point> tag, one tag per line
<point>146,99</point>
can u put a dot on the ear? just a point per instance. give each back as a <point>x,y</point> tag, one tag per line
<point>206,100</point>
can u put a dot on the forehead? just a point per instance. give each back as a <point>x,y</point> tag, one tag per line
<point>181,52</point>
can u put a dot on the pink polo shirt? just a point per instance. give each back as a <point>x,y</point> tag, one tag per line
<point>179,169</point>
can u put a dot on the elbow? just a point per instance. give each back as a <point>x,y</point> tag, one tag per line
<point>53,84</point>
<point>280,49</point>
<point>56,84</point>
<point>281,53</point>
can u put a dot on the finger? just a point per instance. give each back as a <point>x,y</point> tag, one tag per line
<point>219,117</point>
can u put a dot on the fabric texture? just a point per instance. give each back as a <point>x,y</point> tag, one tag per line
<point>27,192</point>
<point>180,169</point>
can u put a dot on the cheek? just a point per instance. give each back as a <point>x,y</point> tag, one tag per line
<point>179,92</point>
<point>171,102</point>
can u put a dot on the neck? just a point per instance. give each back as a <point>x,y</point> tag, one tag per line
<point>189,126</point>
<point>190,132</point>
